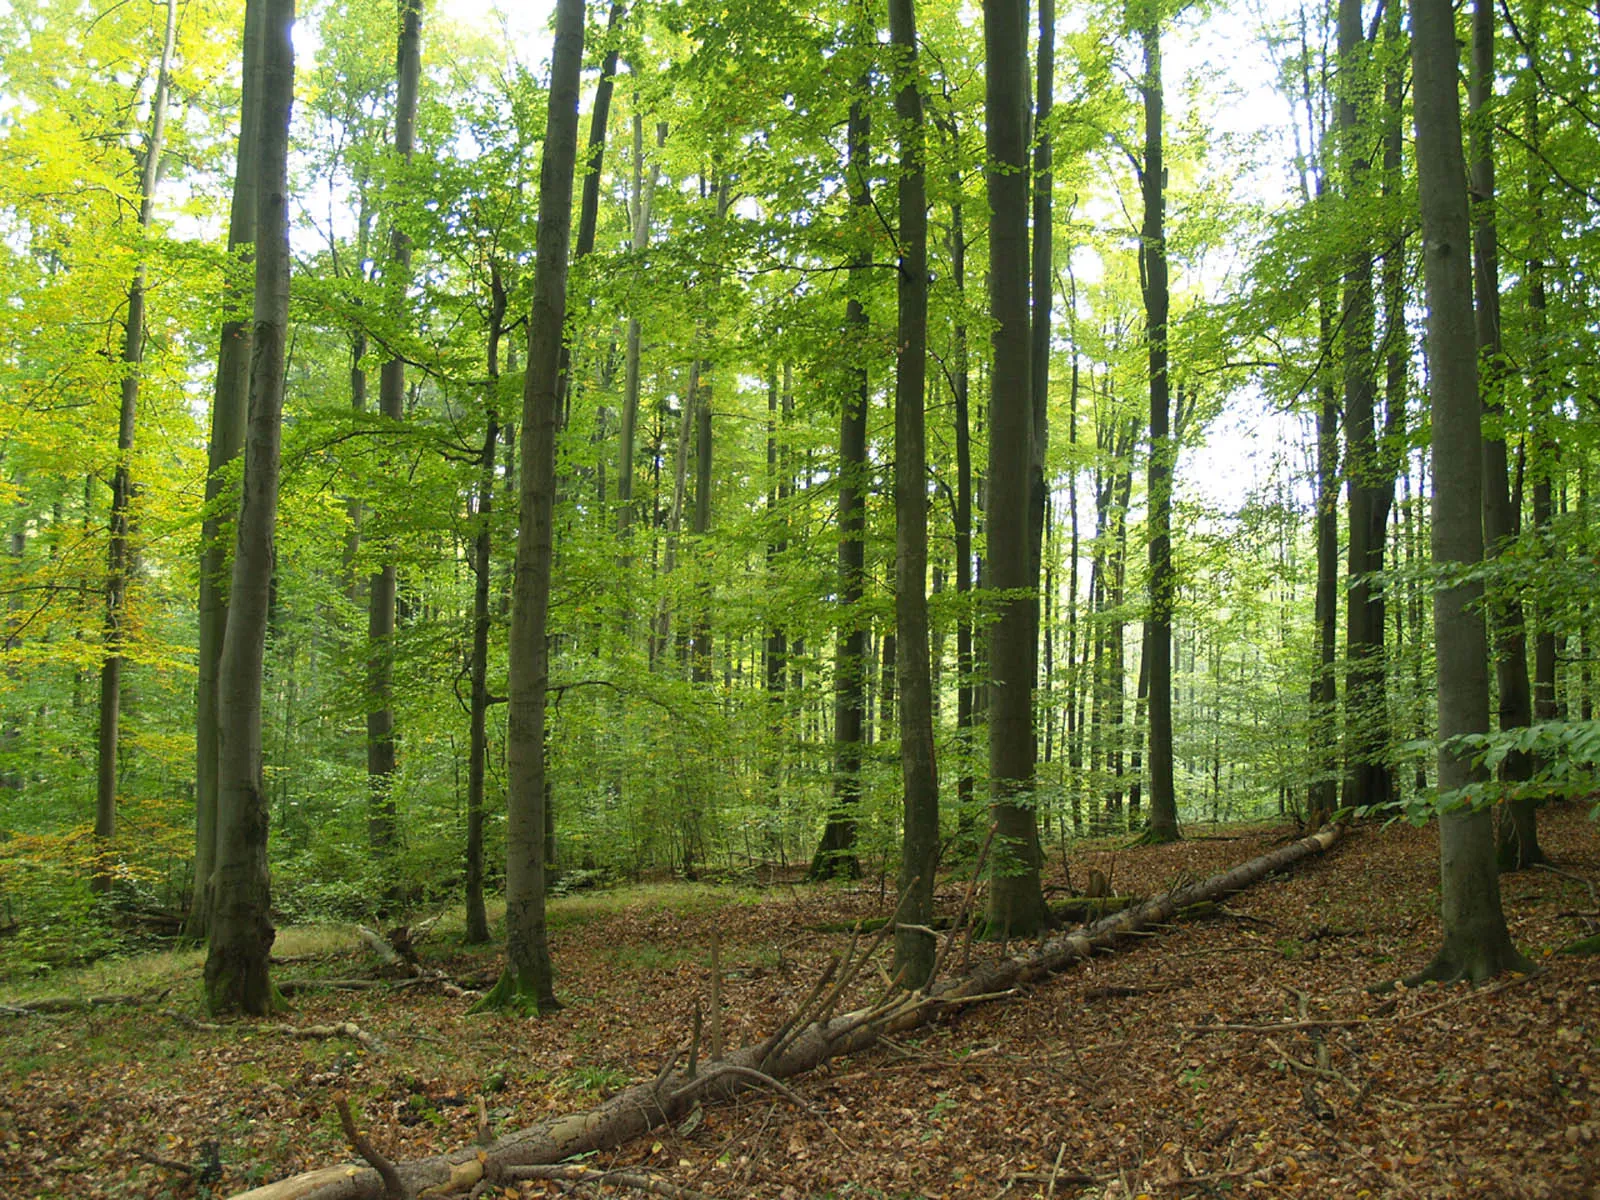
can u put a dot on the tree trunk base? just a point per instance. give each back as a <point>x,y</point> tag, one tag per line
<point>512,994</point>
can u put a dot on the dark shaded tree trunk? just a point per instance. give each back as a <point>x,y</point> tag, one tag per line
<point>241,934</point>
<point>1041,278</point>
<point>1518,833</point>
<point>381,588</point>
<point>836,853</point>
<point>1016,901</point>
<point>1477,944</point>
<point>914,949</point>
<point>1163,825</point>
<point>528,981</point>
<point>119,554</point>
<point>230,400</point>
<point>1365,710</point>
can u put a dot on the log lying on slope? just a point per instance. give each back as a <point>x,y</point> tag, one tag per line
<point>637,1110</point>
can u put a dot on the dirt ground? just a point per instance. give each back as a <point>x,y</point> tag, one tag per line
<point>1236,1054</point>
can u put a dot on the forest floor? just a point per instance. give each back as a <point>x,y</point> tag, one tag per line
<point>1118,1078</point>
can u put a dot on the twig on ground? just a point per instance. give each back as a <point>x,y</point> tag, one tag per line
<point>1050,1191</point>
<point>342,1029</point>
<point>576,1174</point>
<point>1352,1022</point>
<point>393,1188</point>
<point>1576,878</point>
<point>1306,1068</point>
<point>716,994</point>
<point>966,905</point>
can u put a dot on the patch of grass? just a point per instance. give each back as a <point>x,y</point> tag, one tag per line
<point>595,1079</point>
<point>652,956</point>
<point>564,912</point>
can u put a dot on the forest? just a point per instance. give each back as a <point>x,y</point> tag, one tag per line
<point>936,476</point>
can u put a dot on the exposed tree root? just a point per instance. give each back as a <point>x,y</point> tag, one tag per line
<point>809,1038</point>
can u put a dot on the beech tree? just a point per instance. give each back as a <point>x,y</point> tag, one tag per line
<point>528,981</point>
<point>1016,903</point>
<point>241,934</point>
<point>914,949</point>
<point>1477,944</point>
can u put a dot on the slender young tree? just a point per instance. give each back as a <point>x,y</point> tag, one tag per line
<point>1477,944</point>
<point>528,981</point>
<point>913,948</point>
<point>1016,901</point>
<point>119,555</point>
<point>836,853</point>
<point>483,568</point>
<point>241,934</point>
<point>230,398</point>
<point>381,591</point>
<point>1163,451</point>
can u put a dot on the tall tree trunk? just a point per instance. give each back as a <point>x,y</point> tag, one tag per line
<point>776,656</point>
<point>919,858</point>
<point>230,400</point>
<point>1016,901</point>
<point>482,568</point>
<point>391,402</point>
<point>1042,292</point>
<point>528,981</point>
<point>960,386</point>
<point>119,555</point>
<point>644,187</point>
<point>836,853</point>
<point>1546,461</point>
<point>1518,835</point>
<point>1477,944</point>
<point>1163,453</point>
<point>1365,708</point>
<point>589,204</point>
<point>236,973</point>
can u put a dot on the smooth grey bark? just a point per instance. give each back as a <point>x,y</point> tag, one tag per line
<point>914,949</point>
<point>381,591</point>
<point>528,980</point>
<point>119,554</point>
<point>1163,825</point>
<point>1518,827</point>
<point>241,933</point>
<point>1477,944</point>
<point>836,852</point>
<point>230,401</point>
<point>1016,901</point>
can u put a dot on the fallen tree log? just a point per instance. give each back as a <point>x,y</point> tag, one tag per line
<point>797,1048</point>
